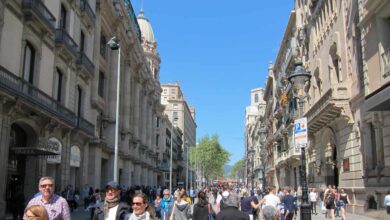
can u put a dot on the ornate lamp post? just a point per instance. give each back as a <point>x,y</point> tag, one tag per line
<point>300,81</point>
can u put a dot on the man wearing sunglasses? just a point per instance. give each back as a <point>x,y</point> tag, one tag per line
<point>55,205</point>
<point>111,208</point>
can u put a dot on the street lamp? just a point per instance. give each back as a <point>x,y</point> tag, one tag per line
<point>300,81</point>
<point>170,161</point>
<point>186,148</point>
<point>113,43</point>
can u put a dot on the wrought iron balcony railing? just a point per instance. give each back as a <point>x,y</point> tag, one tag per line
<point>62,37</point>
<point>38,8</point>
<point>83,60</point>
<point>86,8</point>
<point>23,89</point>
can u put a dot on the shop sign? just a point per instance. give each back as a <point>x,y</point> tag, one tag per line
<point>56,147</point>
<point>75,157</point>
<point>164,166</point>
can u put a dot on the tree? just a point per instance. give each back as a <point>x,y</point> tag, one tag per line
<point>210,157</point>
<point>238,170</point>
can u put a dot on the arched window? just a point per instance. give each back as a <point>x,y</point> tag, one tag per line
<point>29,63</point>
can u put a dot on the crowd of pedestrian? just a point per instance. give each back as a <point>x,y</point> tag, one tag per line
<point>227,202</point>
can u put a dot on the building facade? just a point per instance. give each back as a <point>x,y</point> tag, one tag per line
<point>253,117</point>
<point>57,82</point>
<point>344,46</point>
<point>183,117</point>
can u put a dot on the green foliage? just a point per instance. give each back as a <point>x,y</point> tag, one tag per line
<point>238,169</point>
<point>210,156</point>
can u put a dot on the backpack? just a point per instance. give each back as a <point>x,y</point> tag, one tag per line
<point>330,201</point>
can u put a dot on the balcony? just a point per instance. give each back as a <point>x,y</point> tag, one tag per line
<point>85,64</point>
<point>35,10</point>
<point>65,41</point>
<point>385,61</point>
<point>292,154</point>
<point>329,107</point>
<point>27,92</point>
<point>86,11</point>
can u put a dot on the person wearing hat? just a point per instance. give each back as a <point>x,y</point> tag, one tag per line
<point>230,210</point>
<point>166,205</point>
<point>111,208</point>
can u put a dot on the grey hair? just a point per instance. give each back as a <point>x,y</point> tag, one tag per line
<point>46,178</point>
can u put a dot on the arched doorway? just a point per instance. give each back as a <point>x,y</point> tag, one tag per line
<point>16,169</point>
<point>330,157</point>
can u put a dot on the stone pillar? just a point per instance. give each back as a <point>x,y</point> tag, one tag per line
<point>126,100</point>
<point>65,160</point>
<point>126,175</point>
<point>84,165</point>
<point>5,129</point>
<point>143,118</point>
<point>137,174</point>
<point>144,176</point>
<point>137,114</point>
<point>94,166</point>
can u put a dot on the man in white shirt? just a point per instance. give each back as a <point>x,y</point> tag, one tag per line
<point>269,204</point>
<point>313,201</point>
<point>224,194</point>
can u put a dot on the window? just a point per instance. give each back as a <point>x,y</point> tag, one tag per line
<point>175,116</point>
<point>173,91</point>
<point>63,16</point>
<point>29,63</point>
<point>82,41</point>
<point>103,43</point>
<point>175,106</point>
<point>79,100</point>
<point>256,98</point>
<point>157,122</point>
<point>59,86</point>
<point>101,84</point>
<point>157,137</point>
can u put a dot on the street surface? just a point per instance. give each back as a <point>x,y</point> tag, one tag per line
<point>81,215</point>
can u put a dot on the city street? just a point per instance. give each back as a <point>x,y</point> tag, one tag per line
<point>81,215</point>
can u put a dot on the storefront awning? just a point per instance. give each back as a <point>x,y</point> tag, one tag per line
<point>378,100</point>
<point>33,151</point>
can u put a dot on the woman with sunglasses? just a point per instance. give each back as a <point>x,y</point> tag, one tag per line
<point>140,208</point>
<point>36,212</point>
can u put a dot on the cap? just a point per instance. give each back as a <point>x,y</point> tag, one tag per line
<point>232,200</point>
<point>113,184</point>
<point>166,192</point>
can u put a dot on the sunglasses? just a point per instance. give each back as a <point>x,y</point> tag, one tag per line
<point>138,203</point>
<point>112,189</point>
<point>47,185</point>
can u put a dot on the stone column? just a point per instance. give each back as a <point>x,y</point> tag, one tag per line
<point>65,160</point>
<point>94,166</point>
<point>126,100</point>
<point>144,176</point>
<point>5,128</point>
<point>137,174</point>
<point>137,115</point>
<point>84,164</point>
<point>126,176</point>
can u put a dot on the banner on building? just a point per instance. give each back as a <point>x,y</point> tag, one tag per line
<point>57,147</point>
<point>75,157</point>
<point>300,133</point>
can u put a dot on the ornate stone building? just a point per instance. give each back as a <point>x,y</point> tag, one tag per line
<point>253,118</point>
<point>344,45</point>
<point>183,117</point>
<point>57,82</point>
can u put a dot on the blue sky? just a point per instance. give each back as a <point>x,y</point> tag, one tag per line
<point>218,51</point>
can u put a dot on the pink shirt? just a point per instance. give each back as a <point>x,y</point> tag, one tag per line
<point>57,207</point>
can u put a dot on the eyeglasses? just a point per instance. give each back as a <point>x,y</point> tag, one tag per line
<point>46,185</point>
<point>112,189</point>
<point>138,203</point>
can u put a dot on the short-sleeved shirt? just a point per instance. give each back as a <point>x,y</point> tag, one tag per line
<point>57,207</point>
<point>289,201</point>
<point>246,204</point>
